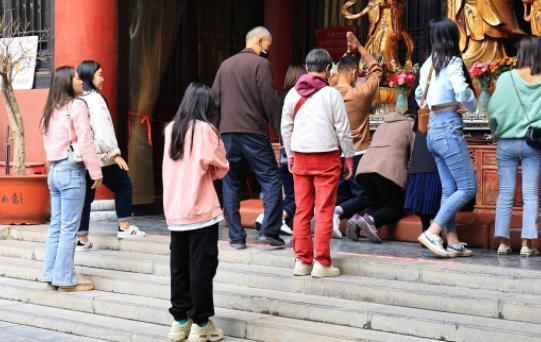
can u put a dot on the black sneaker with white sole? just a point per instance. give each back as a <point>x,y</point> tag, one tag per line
<point>274,241</point>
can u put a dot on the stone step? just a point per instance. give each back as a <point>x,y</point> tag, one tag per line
<point>10,332</point>
<point>485,303</point>
<point>104,309</point>
<point>392,319</point>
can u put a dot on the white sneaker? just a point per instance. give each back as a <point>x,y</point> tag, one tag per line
<point>179,332</point>
<point>336,233</point>
<point>504,249</point>
<point>205,334</point>
<point>286,229</point>
<point>320,271</point>
<point>527,251</point>
<point>132,231</point>
<point>459,250</point>
<point>259,221</point>
<point>302,269</point>
<point>83,246</point>
<point>434,243</point>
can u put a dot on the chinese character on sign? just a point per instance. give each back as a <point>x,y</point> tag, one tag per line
<point>5,199</point>
<point>17,198</point>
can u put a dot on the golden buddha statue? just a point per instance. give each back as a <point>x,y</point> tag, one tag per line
<point>532,13</point>
<point>484,25</point>
<point>386,28</point>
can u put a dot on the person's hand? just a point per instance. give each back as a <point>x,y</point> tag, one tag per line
<point>121,163</point>
<point>290,162</point>
<point>461,109</point>
<point>97,183</point>
<point>353,43</point>
<point>348,168</point>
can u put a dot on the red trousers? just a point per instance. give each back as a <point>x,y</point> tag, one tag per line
<point>316,177</point>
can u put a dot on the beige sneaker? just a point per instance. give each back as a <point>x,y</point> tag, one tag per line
<point>527,251</point>
<point>205,334</point>
<point>179,332</point>
<point>83,284</point>
<point>504,249</point>
<point>302,269</point>
<point>320,271</point>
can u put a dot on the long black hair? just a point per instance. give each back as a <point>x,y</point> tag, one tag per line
<point>445,40</point>
<point>198,103</point>
<point>86,71</point>
<point>529,54</point>
<point>60,93</point>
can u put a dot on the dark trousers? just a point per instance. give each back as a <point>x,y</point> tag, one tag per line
<point>288,203</point>
<point>257,150</point>
<point>385,199</point>
<point>350,193</point>
<point>194,260</point>
<point>118,181</point>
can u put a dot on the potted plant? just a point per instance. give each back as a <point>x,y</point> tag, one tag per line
<point>24,199</point>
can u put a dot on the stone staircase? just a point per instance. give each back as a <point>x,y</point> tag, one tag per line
<point>257,298</point>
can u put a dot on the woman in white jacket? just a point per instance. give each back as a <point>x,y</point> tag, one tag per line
<point>114,167</point>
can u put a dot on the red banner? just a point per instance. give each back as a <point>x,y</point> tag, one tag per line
<point>333,39</point>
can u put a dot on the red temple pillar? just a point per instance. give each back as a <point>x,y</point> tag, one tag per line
<point>88,30</point>
<point>279,21</point>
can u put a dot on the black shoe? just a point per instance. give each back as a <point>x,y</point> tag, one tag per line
<point>237,244</point>
<point>274,241</point>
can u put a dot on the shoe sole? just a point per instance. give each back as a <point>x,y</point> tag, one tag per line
<point>286,232</point>
<point>505,253</point>
<point>238,247</point>
<point>524,255</point>
<point>429,245</point>
<point>324,275</point>
<point>368,232</point>
<point>212,339</point>
<point>299,274</point>
<point>352,231</point>
<point>460,255</point>
<point>78,288</point>
<point>270,241</point>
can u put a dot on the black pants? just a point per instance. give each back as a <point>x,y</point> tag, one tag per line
<point>118,181</point>
<point>385,199</point>
<point>194,260</point>
<point>350,194</point>
<point>257,150</point>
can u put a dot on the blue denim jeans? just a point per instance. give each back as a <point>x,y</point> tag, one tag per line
<point>446,143</point>
<point>67,184</point>
<point>511,152</point>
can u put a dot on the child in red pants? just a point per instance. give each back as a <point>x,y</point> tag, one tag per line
<point>315,132</point>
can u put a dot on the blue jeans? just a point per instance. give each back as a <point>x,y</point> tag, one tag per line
<point>116,180</point>
<point>257,150</point>
<point>351,196</point>
<point>67,184</point>
<point>446,143</point>
<point>509,153</point>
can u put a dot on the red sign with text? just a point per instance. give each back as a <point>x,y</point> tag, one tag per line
<point>333,39</point>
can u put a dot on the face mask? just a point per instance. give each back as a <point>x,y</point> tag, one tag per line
<point>264,54</point>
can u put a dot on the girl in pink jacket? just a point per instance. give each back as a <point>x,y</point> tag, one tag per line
<point>194,157</point>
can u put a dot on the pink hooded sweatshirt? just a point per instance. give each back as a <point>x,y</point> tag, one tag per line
<point>189,196</point>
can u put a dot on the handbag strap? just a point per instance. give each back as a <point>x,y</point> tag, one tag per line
<point>425,92</point>
<point>520,99</point>
<point>298,106</point>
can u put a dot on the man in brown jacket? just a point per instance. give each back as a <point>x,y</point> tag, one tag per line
<point>248,103</point>
<point>358,100</point>
<point>383,174</point>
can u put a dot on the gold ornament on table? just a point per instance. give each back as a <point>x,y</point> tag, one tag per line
<point>386,28</point>
<point>484,26</point>
<point>532,14</point>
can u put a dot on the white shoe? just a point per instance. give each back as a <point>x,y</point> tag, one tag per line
<point>320,271</point>
<point>83,246</point>
<point>459,250</point>
<point>286,229</point>
<point>205,334</point>
<point>302,269</point>
<point>132,231</point>
<point>259,221</point>
<point>527,251</point>
<point>434,243</point>
<point>336,233</point>
<point>179,332</point>
<point>504,249</point>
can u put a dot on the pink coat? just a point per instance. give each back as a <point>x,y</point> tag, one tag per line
<point>56,140</point>
<point>188,191</point>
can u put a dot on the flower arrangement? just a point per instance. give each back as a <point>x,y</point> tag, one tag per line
<point>483,74</point>
<point>502,65</point>
<point>404,79</point>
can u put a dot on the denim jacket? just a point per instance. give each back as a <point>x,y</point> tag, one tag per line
<point>447,87</point>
